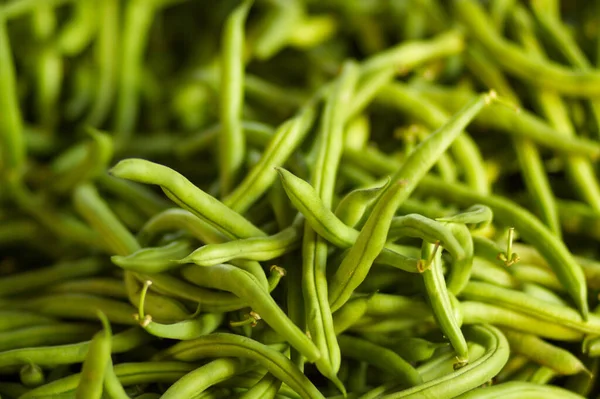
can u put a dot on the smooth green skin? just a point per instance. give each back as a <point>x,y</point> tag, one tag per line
<point>246,287</point>
<point>184,193</point>
<point>32,375</point>
<point>284,142</point>
<point>380,357</point>
<point>370,242</point>
<point>15,319</point>
<point>352,208</point>
<point>484,270</point>
<point>257,248</point>
<point>389,305</point>
<point>197,381</point>
<point>519,63</point>
<point>531,231</point>
<point>470,376</point>
<point>516,390</point>
<point>41,335</point>
<point>208,300</point>
<point>138,17</point>
<point>466,152</point>
<point>94,209</point>
<point>94,365</point>
<point>186,329</point>
<point>505,120</point>
<point>113,388</point>
<point>514,364</point>
<point>543,375</point>
<point>29,281</point>
<point>51,356</point>
<point>79,30</point>
<point>418,226</point>
<point>328,226</point>
<point>560,360</point>
<point>349,313</point>
<point>144,199</point>
<point>478,215</point>
<point>229,345</point>
<point>232,141</point>
<point>528,155</point>
<point>76,306</point>
<point>154,259</point>
<point>127,373</point>
<point>107,46</point>
<point>11,125</point>
<point>543,293</point>
<point>579,219</point>
<point>488,250</point>
<point>461,270</point>
<point>415,350</point>
<point>439,299</point>
<point>106,286</point>
<point>328,147</point>
<point>580,171</point>
<point>408,55</point>
<point>523,303</point>
<point>179,219</point>
<point>266,388</point>
<point>479,312</point>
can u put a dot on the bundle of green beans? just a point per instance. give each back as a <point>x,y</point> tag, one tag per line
<point>279,199</point>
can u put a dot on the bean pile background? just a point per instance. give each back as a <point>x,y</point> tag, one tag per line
<point>299,199</point>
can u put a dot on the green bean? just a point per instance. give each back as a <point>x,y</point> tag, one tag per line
<point>543,375</point>
<point>543,293</point>
<point>199,380</point>
<point>208,300</point>
<point>79,31</point>
<point>349,313</point>
<point>223,344</point>
<point>183,330</point>
<point>148,202</point>
<point>558,256</point>
<point>15,319</point>
<point>93,208</point>
<point>383,358</point>
<point>75,306</point>
<point>514,364</point>
<point>232,142</point>
<point>479,312</point>
<point>581,383</point>
<point>579,170</point>
<point>184,193</point>
<point>478,215</point>
<point>154,259</point>
<point>94,365</point>
<point>12,389</point>
<point>257,248</point>
<point>488,250</point>
<point>18,8</point>
<point>517,62</point>
<point>285,140</point>
<point>31,280</point>
<point>49,334</point>
<point>416,349</point>
<point>11,136</point>
<point>353,207</point>
<point>266,388</point>
<point>112,386</point>
<point>439,300</point>
<point>504,120</point>
<point>107,61</point>
<point>246,287</point>
<point>381,304</point>
<point>32,375</point>
<point>524,303</point>
<point>106,286</point>
<point>408,100</point>
<point>369,243</point>
<point>558,359</point>
<point>469,376</point>
<point>328,149</point>
<point>516,389</point>
<point>127,374</point>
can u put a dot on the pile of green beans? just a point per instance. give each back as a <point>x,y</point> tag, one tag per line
<point>299,199</point>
